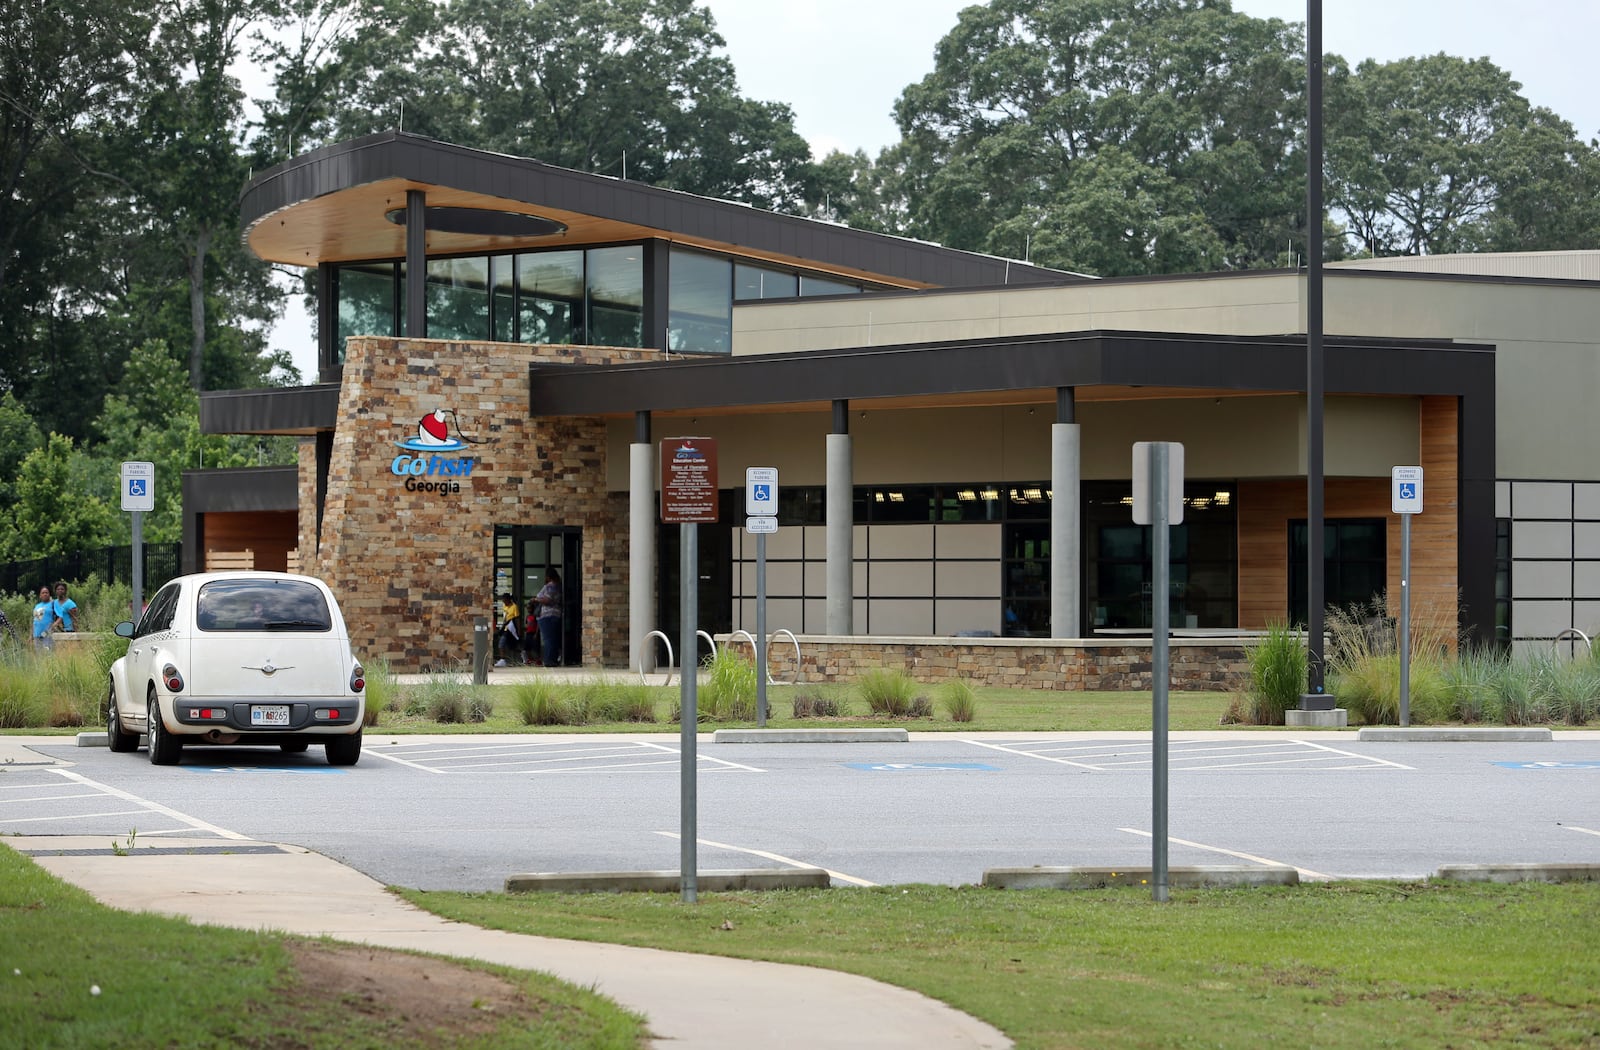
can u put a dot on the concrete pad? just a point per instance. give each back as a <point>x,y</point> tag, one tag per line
<point>692,1002</point>
<point>669,881</point>
<point>1519,872</point>
<point>1477,734</point>
<point>1091,878</point>
<point>20,751</point>
<point>1337,718</point>
<point>809,736</point>
<point>100,739</point>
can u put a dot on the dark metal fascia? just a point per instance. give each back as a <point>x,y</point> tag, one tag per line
<point>397,155</point>
<point>275,410</point>
<point>241,489</point>
<point>1084,359</point>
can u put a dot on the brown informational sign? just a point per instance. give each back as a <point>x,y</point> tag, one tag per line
<point>688,480</point>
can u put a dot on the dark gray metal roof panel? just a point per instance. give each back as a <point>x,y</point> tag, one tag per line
<point>274,410</point>
<point>393,154</point>
<point>240,489</point>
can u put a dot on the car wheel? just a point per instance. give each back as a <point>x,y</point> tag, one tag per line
<point>344,750</point>
<point>117,738</point>
<point>165,749</point>
<point>294,748</point>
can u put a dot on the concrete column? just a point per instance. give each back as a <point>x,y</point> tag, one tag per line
<point>1066,519</point>
<point>641,541</point>
<point>840,524</point>
<point>1066,571</point>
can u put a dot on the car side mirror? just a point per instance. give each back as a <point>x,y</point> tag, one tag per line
<point>123,629</point>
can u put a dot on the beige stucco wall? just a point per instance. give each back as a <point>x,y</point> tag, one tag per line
<point>1247,437</point>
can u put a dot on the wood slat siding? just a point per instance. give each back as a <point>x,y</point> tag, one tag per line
<point>269,535</point>
<point>1266,507</point>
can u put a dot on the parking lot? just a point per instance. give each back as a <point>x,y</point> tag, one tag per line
<point>465,812</point>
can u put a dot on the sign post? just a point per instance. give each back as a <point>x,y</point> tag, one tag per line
<point>688,497</point>
<point>138,496</point>
<point>1406,501</point>
<point>1158,503</point>
<point>761,508</point>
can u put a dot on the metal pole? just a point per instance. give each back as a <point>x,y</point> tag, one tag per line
<point>1405,619</point>
<point>138,564</point>
<point>1314,354</point>
<point>761,630</point>
<point>1159,617</point>
<point>688,583</point>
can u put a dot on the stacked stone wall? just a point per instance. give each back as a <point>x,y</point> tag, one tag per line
<point>1077,665</point>
<point>413,567</point>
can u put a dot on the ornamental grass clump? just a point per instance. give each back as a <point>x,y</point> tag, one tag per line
<point>1364,662</point>
<point>539,704</point>
<point>1572,690</point>
<point>381,692</point>
<point>817,703</point>
<point>959,700</point>
<point>892,693</point>
<point>1277,675</point>
<point>607,699</point>
<point>729,691</point>
<point>1471,685</point>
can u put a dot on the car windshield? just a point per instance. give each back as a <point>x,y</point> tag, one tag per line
<point>262,605</point>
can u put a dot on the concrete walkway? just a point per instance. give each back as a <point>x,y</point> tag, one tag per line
<point>691,1001</point>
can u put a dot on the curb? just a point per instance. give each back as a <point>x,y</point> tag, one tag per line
<point>1519,872</point>
<point>1456,734</point>
<point>1082,878</point>
<point>724,881</point>
<point>810,736</point>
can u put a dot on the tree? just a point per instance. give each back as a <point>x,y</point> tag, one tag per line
<point>53,515</point>
<point>634,88</point>
<point>19,435</point>
<point>1441,154</point>
<point>1035,109</point>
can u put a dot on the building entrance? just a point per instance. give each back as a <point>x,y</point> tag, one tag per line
<point>522,555</point>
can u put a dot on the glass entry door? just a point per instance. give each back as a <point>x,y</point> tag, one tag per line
<point>522,555</point>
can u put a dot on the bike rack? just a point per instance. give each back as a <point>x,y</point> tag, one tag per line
<point>668,643</point>
<point>1570,634</point>
<point>792,639</point>
<point>664,641</point>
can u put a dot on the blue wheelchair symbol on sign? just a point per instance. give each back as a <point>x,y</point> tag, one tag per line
<point>761,493</point>
<point>136,486</point>
<point>1408,490</point>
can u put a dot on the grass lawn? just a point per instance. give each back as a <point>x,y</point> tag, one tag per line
<point>166,983</point>
<point>1340,965</point>
<point>998,710</point>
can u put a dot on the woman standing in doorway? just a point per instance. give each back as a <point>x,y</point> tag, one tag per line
<point>548,601</point>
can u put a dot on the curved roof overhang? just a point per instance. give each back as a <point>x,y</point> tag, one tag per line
<point>332,205</point>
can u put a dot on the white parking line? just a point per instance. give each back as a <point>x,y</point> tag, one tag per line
<point>74,816</point>
<point>1030,754</point>
<point>1352,754</point>
<point>703,758</point>
<point>155,807</point>
<point>397,760</point>
<point>780,858</point>
<point>1305,873</point>
<point>1586,831</point>
<point>44,798</point>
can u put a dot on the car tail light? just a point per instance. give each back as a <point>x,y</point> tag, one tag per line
<point>358,679</point>
<point>326,714</point>
<point>172,679</point>
<point>209,713</point>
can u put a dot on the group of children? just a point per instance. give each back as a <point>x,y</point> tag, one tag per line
<point>51,613</point>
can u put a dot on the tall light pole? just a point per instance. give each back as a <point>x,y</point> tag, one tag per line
<point>1314,553</point>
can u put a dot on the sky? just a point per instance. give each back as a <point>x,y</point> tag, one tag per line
<point>841,64</point>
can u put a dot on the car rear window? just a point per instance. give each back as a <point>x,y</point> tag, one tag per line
<point>262,605</point>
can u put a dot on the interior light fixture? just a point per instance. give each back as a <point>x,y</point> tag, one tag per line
<point>966,495</point>
<point>991,494</point>
<point>1223,498</point>
<point>897,497</point>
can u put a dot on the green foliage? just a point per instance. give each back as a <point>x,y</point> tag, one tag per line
<point>53,514</point>
<point>23,700</point>
<point>538,704</point>
<point>1472,684</point>
<point>728,693</point>
<point>892,693</point>
<point>959,700</point>
<point>1370,690</point>
<point>1573,688</point>
<point>1277,674</point>
<point>382,691</point>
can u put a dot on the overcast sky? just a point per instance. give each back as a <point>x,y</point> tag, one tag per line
<point>841,64</point>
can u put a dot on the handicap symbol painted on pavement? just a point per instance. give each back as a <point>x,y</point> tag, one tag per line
<point>898,767</point>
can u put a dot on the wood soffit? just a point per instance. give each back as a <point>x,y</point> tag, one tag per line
<point>351,225</point>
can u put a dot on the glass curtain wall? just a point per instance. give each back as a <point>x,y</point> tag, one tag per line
<point>700,303</point>
<point>367,301</point>
<point>615,296</point>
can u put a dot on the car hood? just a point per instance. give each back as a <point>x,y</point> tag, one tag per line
<point>269,664</point>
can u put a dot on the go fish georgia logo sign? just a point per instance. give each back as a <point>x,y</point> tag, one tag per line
<point>426,464</point>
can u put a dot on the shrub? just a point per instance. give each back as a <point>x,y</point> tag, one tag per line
<point>1572,688</point>
<point>444,698</point>
<point>960,700</point>
<point>20,696</point>
<point>1522,700</point>
<point>626,702</point>
<point>1277,675</point>
<point>729,691</point>
<point>1370,690</point>
<point>817,704</point>
<point>889,692</point>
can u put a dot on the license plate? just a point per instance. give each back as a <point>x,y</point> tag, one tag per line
<point>269,715</point>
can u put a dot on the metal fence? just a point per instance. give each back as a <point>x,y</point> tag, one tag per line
<point>162,561</point>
